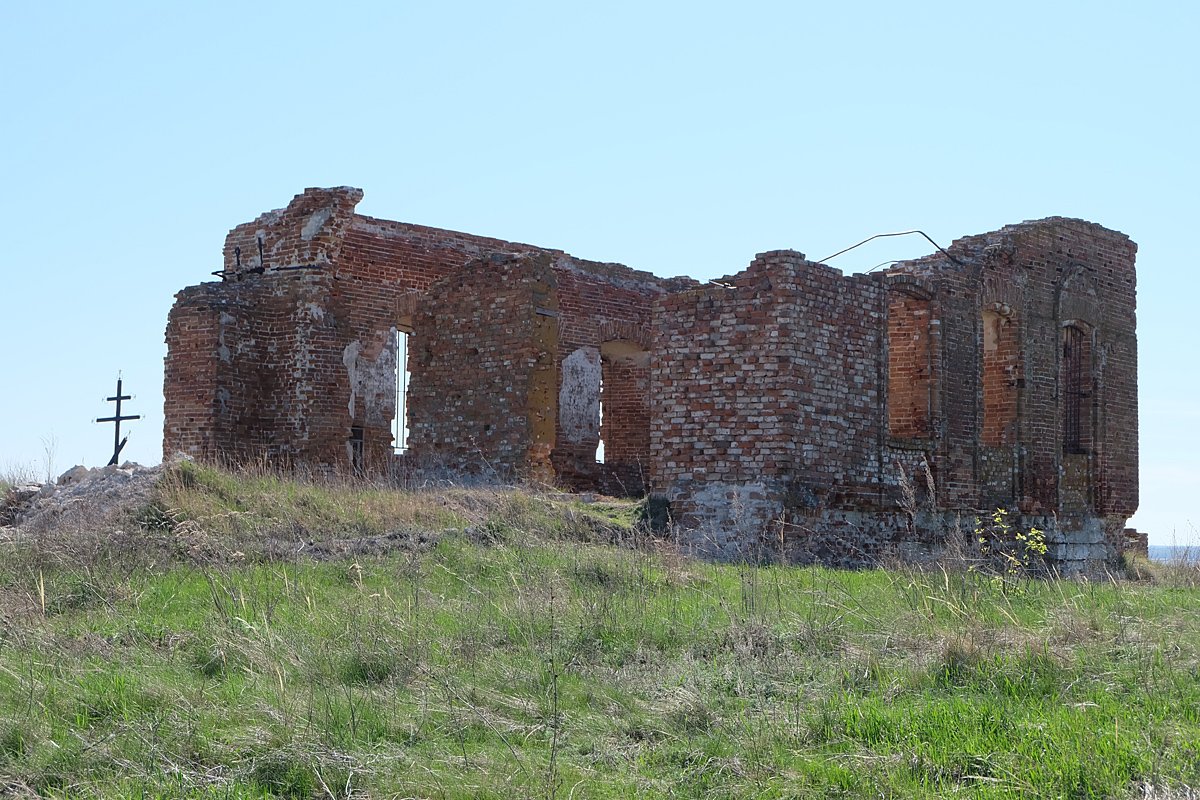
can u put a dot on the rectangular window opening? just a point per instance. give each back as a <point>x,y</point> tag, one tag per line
<point>400,424</point>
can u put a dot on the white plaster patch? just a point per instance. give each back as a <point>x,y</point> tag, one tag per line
<point>373,380</point>
<point>315,311</point>
<point>740,507</point>
<point>314,224</point>
<point>579,397</point>
<point>222,348</point>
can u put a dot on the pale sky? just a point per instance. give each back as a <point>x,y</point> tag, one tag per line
<point>680,138</point>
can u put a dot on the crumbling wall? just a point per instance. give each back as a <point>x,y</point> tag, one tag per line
<point>788,406</point>
<point>308,232</point>
<point>190,379</point>
<point>605,319</point>
<point>724,407</point>
<point>766,396</point>
<point>1004,300</point>
<point>483,369</point>
<point>1083,274</point>
<point>311,319</point>
<point>292,355</point>
<point>833,414</point>
<point>221,397</point>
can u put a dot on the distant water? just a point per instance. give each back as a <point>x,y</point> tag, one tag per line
<point>1169,553</point>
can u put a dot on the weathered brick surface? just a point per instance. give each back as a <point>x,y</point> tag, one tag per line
<point>604,316</point>
<point>794,396</point>
<point>291,356</point>
<point>910,367</point>
<point>769,382</point>
<point>788,407</point>
<point>476,357</point>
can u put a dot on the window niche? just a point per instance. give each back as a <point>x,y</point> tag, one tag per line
<point>1001,379</point>
<point>357,450</point>
<point>910,366</point>
<point>1077,387</point>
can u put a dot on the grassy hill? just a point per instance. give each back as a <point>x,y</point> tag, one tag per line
<point>245,637</point>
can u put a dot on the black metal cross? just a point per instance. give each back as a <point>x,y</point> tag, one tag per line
<point>118,442</point>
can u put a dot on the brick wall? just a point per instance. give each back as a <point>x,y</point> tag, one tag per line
<point>605,317</point>
<point>1001,425</point>
<point>625,428</point>
<point>787,403</point>
<point>1001,378</point>
<point>474,356</point>
<point>796,395</point>
<point>766,395</point>
<point>190,383</point>
<point>292,355</point>
<point>1047,274</point>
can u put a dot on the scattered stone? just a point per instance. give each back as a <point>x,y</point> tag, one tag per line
<point>73,475</point>
<point>81,495</point>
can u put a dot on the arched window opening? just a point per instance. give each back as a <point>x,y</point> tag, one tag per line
<point>910,367</point>
<point>1076,386</point>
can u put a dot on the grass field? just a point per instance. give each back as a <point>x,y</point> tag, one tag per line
<point>518,654</point>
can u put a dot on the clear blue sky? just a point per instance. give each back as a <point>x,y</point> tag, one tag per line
<point>673,137</point>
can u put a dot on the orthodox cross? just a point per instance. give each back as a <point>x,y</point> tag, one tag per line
<point>118,442</point>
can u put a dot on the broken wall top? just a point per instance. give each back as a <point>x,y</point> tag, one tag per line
<point>320,228</point>
<point>1067,238</point>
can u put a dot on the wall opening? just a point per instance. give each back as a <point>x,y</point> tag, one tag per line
<point>1001,380</point>
<point>624,408</point>
<point>357,459</point>
<point>600,440</point>
<point>910,367</point>
<point>1075,381</point>
<point>400,422</point>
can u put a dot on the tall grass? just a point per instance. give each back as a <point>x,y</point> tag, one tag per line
<point>15,475</point>
<point>505,649</point>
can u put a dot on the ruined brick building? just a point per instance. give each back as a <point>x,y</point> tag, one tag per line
<point>788,406</point>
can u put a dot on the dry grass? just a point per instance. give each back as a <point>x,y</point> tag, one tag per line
<point>489,642</point>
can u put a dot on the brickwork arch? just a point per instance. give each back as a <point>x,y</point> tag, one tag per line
<point>1002,288</point>
<point>611,330</point>
<point>1077,298</point>
<point>910,286</point>
<point>407,305</point>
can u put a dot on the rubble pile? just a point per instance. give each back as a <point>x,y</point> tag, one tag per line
<point>79,496</point>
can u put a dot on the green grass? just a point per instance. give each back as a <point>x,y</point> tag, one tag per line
<point>518,657</point>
